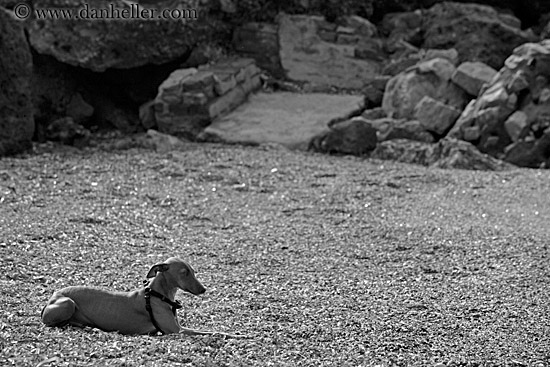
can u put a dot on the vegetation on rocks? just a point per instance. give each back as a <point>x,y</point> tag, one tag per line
<point>322,260</point>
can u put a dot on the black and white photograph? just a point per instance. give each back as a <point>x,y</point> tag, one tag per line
<point>230,183</point>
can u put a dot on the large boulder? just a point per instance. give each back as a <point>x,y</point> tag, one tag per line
<point>430,78</point>
<point>477,32</point>
<point>512,113</point>
<point>91,41</point>
<point>16,110</point>
<point>435,116</point>
<point>354,136</point>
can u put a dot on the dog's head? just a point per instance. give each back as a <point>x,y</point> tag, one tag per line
<point>178,273</point>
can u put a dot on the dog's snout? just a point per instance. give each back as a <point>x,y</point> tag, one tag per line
<point>196,289</point>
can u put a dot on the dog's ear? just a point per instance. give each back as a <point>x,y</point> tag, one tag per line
<point>156,268</point>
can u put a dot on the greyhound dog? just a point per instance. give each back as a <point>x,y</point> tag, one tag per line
<point>149,310</point>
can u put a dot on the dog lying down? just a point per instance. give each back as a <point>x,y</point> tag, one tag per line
<point>148,310</point>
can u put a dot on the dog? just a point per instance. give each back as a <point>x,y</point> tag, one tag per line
<point>149,310</point>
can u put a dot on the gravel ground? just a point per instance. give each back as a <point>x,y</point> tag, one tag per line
<point>322,260</point>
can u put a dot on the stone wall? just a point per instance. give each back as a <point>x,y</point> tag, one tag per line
<point>192,98</point>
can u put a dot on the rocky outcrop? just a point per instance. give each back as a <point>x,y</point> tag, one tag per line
<point>477,32</point>
<point>302,48</point>
<point>97,43</point>
<point>190,99</point>
<point>16,110</point>
<point>430,78</point>
<point>316,51</point>
<point>512,114</point>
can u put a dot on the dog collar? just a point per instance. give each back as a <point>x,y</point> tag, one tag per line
<point>148,293</point>
<point>175,304</point>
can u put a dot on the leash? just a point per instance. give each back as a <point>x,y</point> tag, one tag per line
<point>148,293</point>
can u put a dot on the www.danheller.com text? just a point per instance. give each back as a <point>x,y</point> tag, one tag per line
<point>132,11</point>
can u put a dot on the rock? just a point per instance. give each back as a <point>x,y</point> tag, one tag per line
<point>306,57</point>
<point>68,132</point>
<point>290,119</point>
<point>374,113</point>
<point>260,41</point>
<point>373,96</point>
<point>354,136</point>
<point>435,116</point>
<point>518,82</point>
<point>512,108</point>
<point>390,129</point>
<point>16,109</point>
<point>450,54</point>
<point>463,155</point>
<point>370,49</point>
<point>430,78</point>
<point>471,76</point>
<point>412,130</point>
<point>79,109</point>
<point>532,154</point>
<point>360,25</point>
<point>450,24</point>
<point>380,82</point>
<point>163,143</point>
<point>494,96</point>
<point>400,62</point>
<point>404,26</point>
<point>405,151</point>
<point>192,98</point>
<point>472,133</point>
<point>382,125</point>
<point>147,115</point>
<point>100,44</point>
<point>442,68</point>
<point>516,124</point>
<point>448,153</point>
<point>465,120</point>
